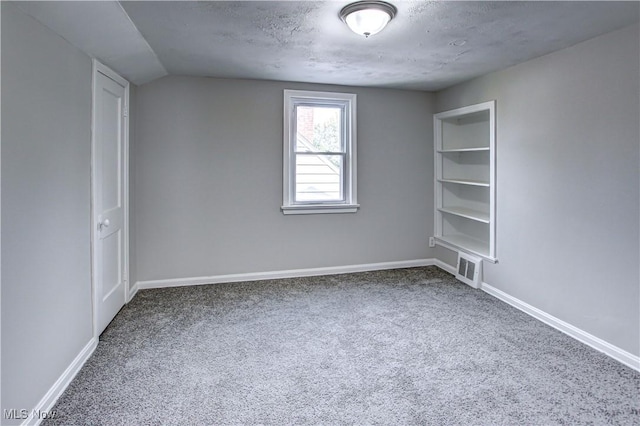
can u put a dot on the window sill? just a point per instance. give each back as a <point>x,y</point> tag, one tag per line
<point>320,208</point>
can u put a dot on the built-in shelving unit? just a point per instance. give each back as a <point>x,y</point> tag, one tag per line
<point>465,179</point>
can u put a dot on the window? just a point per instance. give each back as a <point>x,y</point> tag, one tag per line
<point>319,153</point>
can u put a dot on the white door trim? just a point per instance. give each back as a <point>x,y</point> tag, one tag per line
<point>98,67</point>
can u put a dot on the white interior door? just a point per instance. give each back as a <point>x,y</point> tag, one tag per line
<point>109,200</point>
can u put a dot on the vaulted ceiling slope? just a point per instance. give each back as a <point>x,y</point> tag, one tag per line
<point>430,45</point>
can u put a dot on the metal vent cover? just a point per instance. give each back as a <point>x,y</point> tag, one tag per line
<point>469,269</point>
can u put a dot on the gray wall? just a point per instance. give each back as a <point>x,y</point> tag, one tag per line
<point>567,188</point>
<point>208,181</point>
<point>46,286</point>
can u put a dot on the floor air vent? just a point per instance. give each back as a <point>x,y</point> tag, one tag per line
<point>469,269</point>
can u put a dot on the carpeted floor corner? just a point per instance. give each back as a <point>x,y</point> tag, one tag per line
<point>406,346</point>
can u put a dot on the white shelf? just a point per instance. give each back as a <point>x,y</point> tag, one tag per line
<point>464,199</point>
<point>465,182</point>
<point>466,213</point>
<point>467,243</point>
<point>446,151</point>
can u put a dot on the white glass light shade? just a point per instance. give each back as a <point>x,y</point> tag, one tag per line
<point>367,22</point>
<point>368,17</point>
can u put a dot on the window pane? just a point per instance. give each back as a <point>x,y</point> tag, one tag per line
<point>319,177</point>
<point>318,129</point>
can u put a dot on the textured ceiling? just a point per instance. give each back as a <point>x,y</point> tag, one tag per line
<point>428,46</point>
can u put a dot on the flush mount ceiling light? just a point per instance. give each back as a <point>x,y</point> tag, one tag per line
<point>368,17</point>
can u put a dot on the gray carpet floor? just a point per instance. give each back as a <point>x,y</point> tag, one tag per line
<point>407,346</point>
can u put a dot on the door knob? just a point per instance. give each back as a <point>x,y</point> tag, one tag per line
<point>104,224</point>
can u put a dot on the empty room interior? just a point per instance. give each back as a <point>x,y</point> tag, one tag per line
<point>320,212</point>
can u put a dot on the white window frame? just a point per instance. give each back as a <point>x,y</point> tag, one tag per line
<point>347,101</point>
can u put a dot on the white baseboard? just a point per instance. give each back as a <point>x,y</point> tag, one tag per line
<point>132,292</point>
<point>292,273</point>
<point>48,401</point>
<point>598,344</point>
<point>444,266</point>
